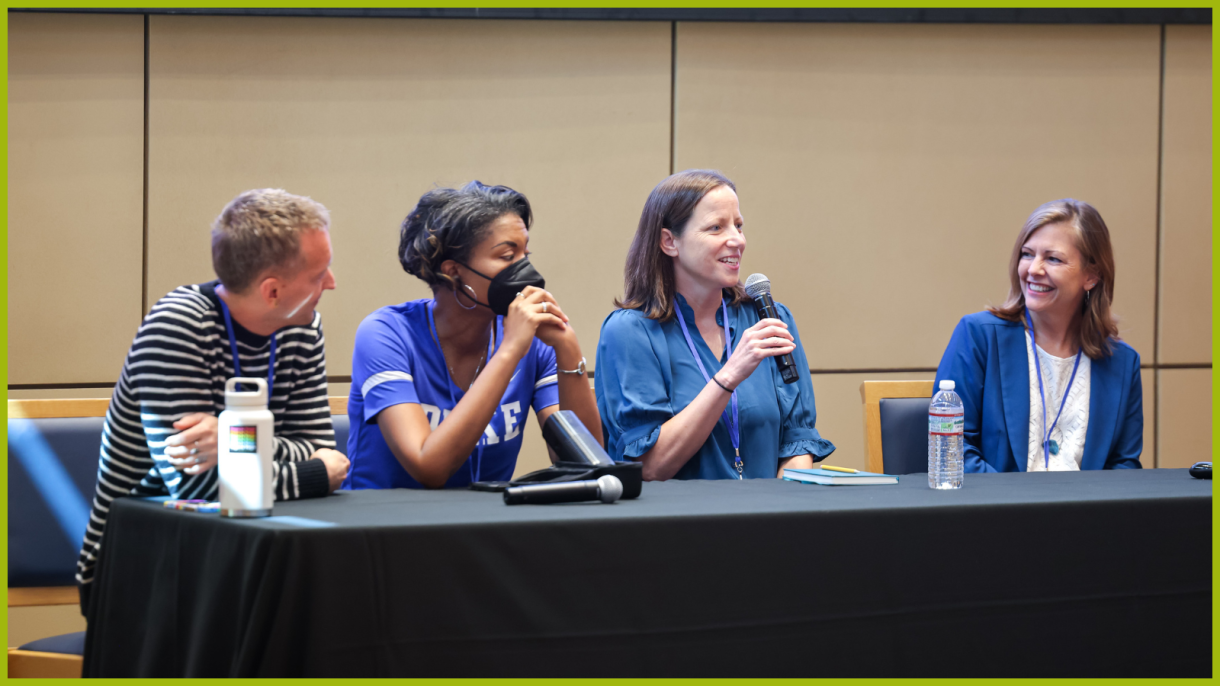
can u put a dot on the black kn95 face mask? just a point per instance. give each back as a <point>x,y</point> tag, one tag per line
<point>505,286</point>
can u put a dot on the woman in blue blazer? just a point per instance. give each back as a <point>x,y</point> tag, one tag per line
<point>1045,382</point>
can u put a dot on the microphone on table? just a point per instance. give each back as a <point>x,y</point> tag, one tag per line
<point>758,287</point>
<point>606,489</point>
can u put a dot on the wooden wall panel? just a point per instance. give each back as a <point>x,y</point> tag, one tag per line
<point>1186,209</point>
<point>366,115</point>
<point>885,170</point>
<point>1185,433</point>
<point>75,194</point>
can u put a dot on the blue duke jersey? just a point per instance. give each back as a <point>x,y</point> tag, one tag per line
<point>398,360</point>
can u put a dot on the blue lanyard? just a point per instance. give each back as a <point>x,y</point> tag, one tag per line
<point>237,361</point>
<point>476,465</point>
<point>1049,446</point>
<point>731,421</point>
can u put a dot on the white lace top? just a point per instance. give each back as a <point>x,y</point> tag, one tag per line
<point>1073,423</point>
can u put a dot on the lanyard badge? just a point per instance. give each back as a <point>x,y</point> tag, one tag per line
<point>1049,446</point>
<point>732,421</point>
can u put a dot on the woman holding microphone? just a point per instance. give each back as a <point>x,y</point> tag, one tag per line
<point>442,386</point>
<point>684,381</point>
<point>1045,381</point>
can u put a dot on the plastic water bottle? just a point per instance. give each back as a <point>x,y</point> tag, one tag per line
<point>246,438</point>
<point>946,445</point>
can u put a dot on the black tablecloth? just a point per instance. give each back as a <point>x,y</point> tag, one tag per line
<point>1060,574</point>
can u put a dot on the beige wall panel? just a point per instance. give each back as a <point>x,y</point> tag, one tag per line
<point>885,171</point>
<point>341,390</point>
<point>75,194</point>
<point>365,116</point>
<point>27,624</point>
<point>1185,432</point>
<point>49,393</point>
<point>1186,209</point>
<point>1148,380</point>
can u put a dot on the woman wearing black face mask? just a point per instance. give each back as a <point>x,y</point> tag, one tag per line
<point>441,387</point>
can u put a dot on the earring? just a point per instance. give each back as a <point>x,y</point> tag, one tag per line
<point>459,302</point>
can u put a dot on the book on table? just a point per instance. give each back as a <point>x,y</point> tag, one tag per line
<point>826,477</point>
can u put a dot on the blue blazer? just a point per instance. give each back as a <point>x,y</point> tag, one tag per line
<point>988,362</point>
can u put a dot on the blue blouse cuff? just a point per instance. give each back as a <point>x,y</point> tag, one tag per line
<point>633,449</point>
<point>818,447</point>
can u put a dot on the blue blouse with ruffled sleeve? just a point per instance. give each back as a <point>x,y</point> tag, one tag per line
<point>646,374</point>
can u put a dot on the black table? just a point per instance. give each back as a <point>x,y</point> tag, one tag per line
<point>1061,574</point>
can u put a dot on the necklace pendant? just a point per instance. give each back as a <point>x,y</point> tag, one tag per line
<point>1054,447</point>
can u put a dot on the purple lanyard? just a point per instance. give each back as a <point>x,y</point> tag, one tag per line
<point>237,361</point>
<point>476,465</point>
<point>1047,447</point>
<point>731,421</point>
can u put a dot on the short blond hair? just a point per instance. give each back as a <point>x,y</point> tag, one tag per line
<point>261,230</point>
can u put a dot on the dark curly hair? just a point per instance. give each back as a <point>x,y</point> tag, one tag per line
<point>447,223</point>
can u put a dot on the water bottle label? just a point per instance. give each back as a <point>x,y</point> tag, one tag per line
<point>243,439</point>
<point>946,424</point>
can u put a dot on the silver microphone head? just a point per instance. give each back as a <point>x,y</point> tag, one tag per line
<point>758,284</point>
<point>609,488</point>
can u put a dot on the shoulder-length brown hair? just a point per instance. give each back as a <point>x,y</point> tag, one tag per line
<point>648,278</point>
<point>1098,326</point>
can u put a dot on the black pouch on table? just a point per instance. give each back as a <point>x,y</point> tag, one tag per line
<point>580,457</point>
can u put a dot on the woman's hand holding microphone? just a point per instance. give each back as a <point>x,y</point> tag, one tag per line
<point>767,338</point>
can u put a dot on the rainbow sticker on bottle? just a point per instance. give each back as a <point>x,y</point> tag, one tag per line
<point>243,439</point>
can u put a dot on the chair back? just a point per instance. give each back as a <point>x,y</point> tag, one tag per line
<point>896,425</point>
<point>53,448</point>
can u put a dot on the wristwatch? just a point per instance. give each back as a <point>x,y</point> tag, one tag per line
<point>580,369</point>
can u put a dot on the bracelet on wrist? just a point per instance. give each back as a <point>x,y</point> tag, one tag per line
<point>726,388</point>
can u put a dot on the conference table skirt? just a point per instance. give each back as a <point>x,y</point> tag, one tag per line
<point>1061,574</point>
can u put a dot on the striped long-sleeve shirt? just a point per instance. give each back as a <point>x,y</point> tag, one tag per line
<point>178,365</point>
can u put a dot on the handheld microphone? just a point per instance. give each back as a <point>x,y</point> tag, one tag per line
<point>606,489</point>
<point>758,287</point>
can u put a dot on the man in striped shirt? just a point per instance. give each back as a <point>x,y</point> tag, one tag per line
<point>271,252</point>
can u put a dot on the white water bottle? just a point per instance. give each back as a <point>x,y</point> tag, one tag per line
<point>946,444</point>
<point>246,438</point>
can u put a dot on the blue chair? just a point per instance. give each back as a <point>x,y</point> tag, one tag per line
<point>53,448</point>
<point>896,425</point>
